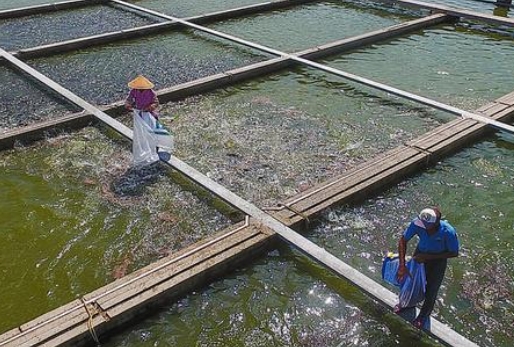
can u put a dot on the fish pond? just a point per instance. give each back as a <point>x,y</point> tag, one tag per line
<point>76,215</point>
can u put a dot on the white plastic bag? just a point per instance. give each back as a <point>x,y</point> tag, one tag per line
<point>148,135</point>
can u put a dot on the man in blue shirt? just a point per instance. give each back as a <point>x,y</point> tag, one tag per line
<point>437,242</point>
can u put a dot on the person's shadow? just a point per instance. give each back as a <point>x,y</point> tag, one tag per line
<point>134,181</point>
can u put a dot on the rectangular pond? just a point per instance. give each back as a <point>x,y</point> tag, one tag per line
<point>76,215</point>
<point>273,137</point>
<point>100,75</point>
<point>453,65</point>
<point>52,27</point>
<point>309,25</point>
<point>25,102</point>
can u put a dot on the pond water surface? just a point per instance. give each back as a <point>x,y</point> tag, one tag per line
<point>76,215</point>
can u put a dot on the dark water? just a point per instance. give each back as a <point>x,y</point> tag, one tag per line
<point>49,28</point>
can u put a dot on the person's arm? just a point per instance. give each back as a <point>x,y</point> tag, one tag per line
<point>402,250</point>
<point>129,101</point>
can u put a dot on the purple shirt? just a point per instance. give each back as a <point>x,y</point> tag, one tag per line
<point>141,98</point>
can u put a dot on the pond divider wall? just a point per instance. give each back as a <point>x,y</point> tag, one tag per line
<point>110,306</point>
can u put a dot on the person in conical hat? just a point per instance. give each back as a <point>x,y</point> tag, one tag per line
<point>141,96</point>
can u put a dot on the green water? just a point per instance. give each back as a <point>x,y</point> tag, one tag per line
<point>75,215</point>
<point>286,30</point>
<point>273,137</point>
<point>461,67</point>
<point>189,8</point>
<point>285,300</point>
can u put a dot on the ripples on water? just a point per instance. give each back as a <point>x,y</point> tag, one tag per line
<point>29,103</point>
<point>90,218</point>
<point>59,26</point>
<point>473,189</point>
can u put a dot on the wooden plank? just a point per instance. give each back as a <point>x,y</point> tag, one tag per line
<point>89,41</point>
<point>40,130</point>
<point>41,333</point>
<point>495,108</point>
<point>442,133</point>
<point>453,11</point>
<point>171,288</point>
<point>247,10</point>
<point>178,280</point>
<point>216,240</point>
<point>14,336</point>
<point>72,336</point>
<point>53,314</point>
<point>308,202</point>
<point>485,107</point>
<point>381,180</point>
<point>359,174</point>
<point>175,269</point>
<point>507,99</point>
<point>10,334</point>
<point>505,115</point>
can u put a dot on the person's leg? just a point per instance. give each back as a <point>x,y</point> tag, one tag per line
<point>434,271</point>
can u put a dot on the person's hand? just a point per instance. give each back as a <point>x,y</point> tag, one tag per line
<point>128,107</point>
<point>402,271</point>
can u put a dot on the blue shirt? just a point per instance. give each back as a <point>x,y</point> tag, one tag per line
<point>444,240</point>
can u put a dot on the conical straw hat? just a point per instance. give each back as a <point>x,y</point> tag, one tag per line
<point>140,82</point>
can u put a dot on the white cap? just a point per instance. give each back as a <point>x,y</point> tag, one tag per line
<point>428,215</point>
